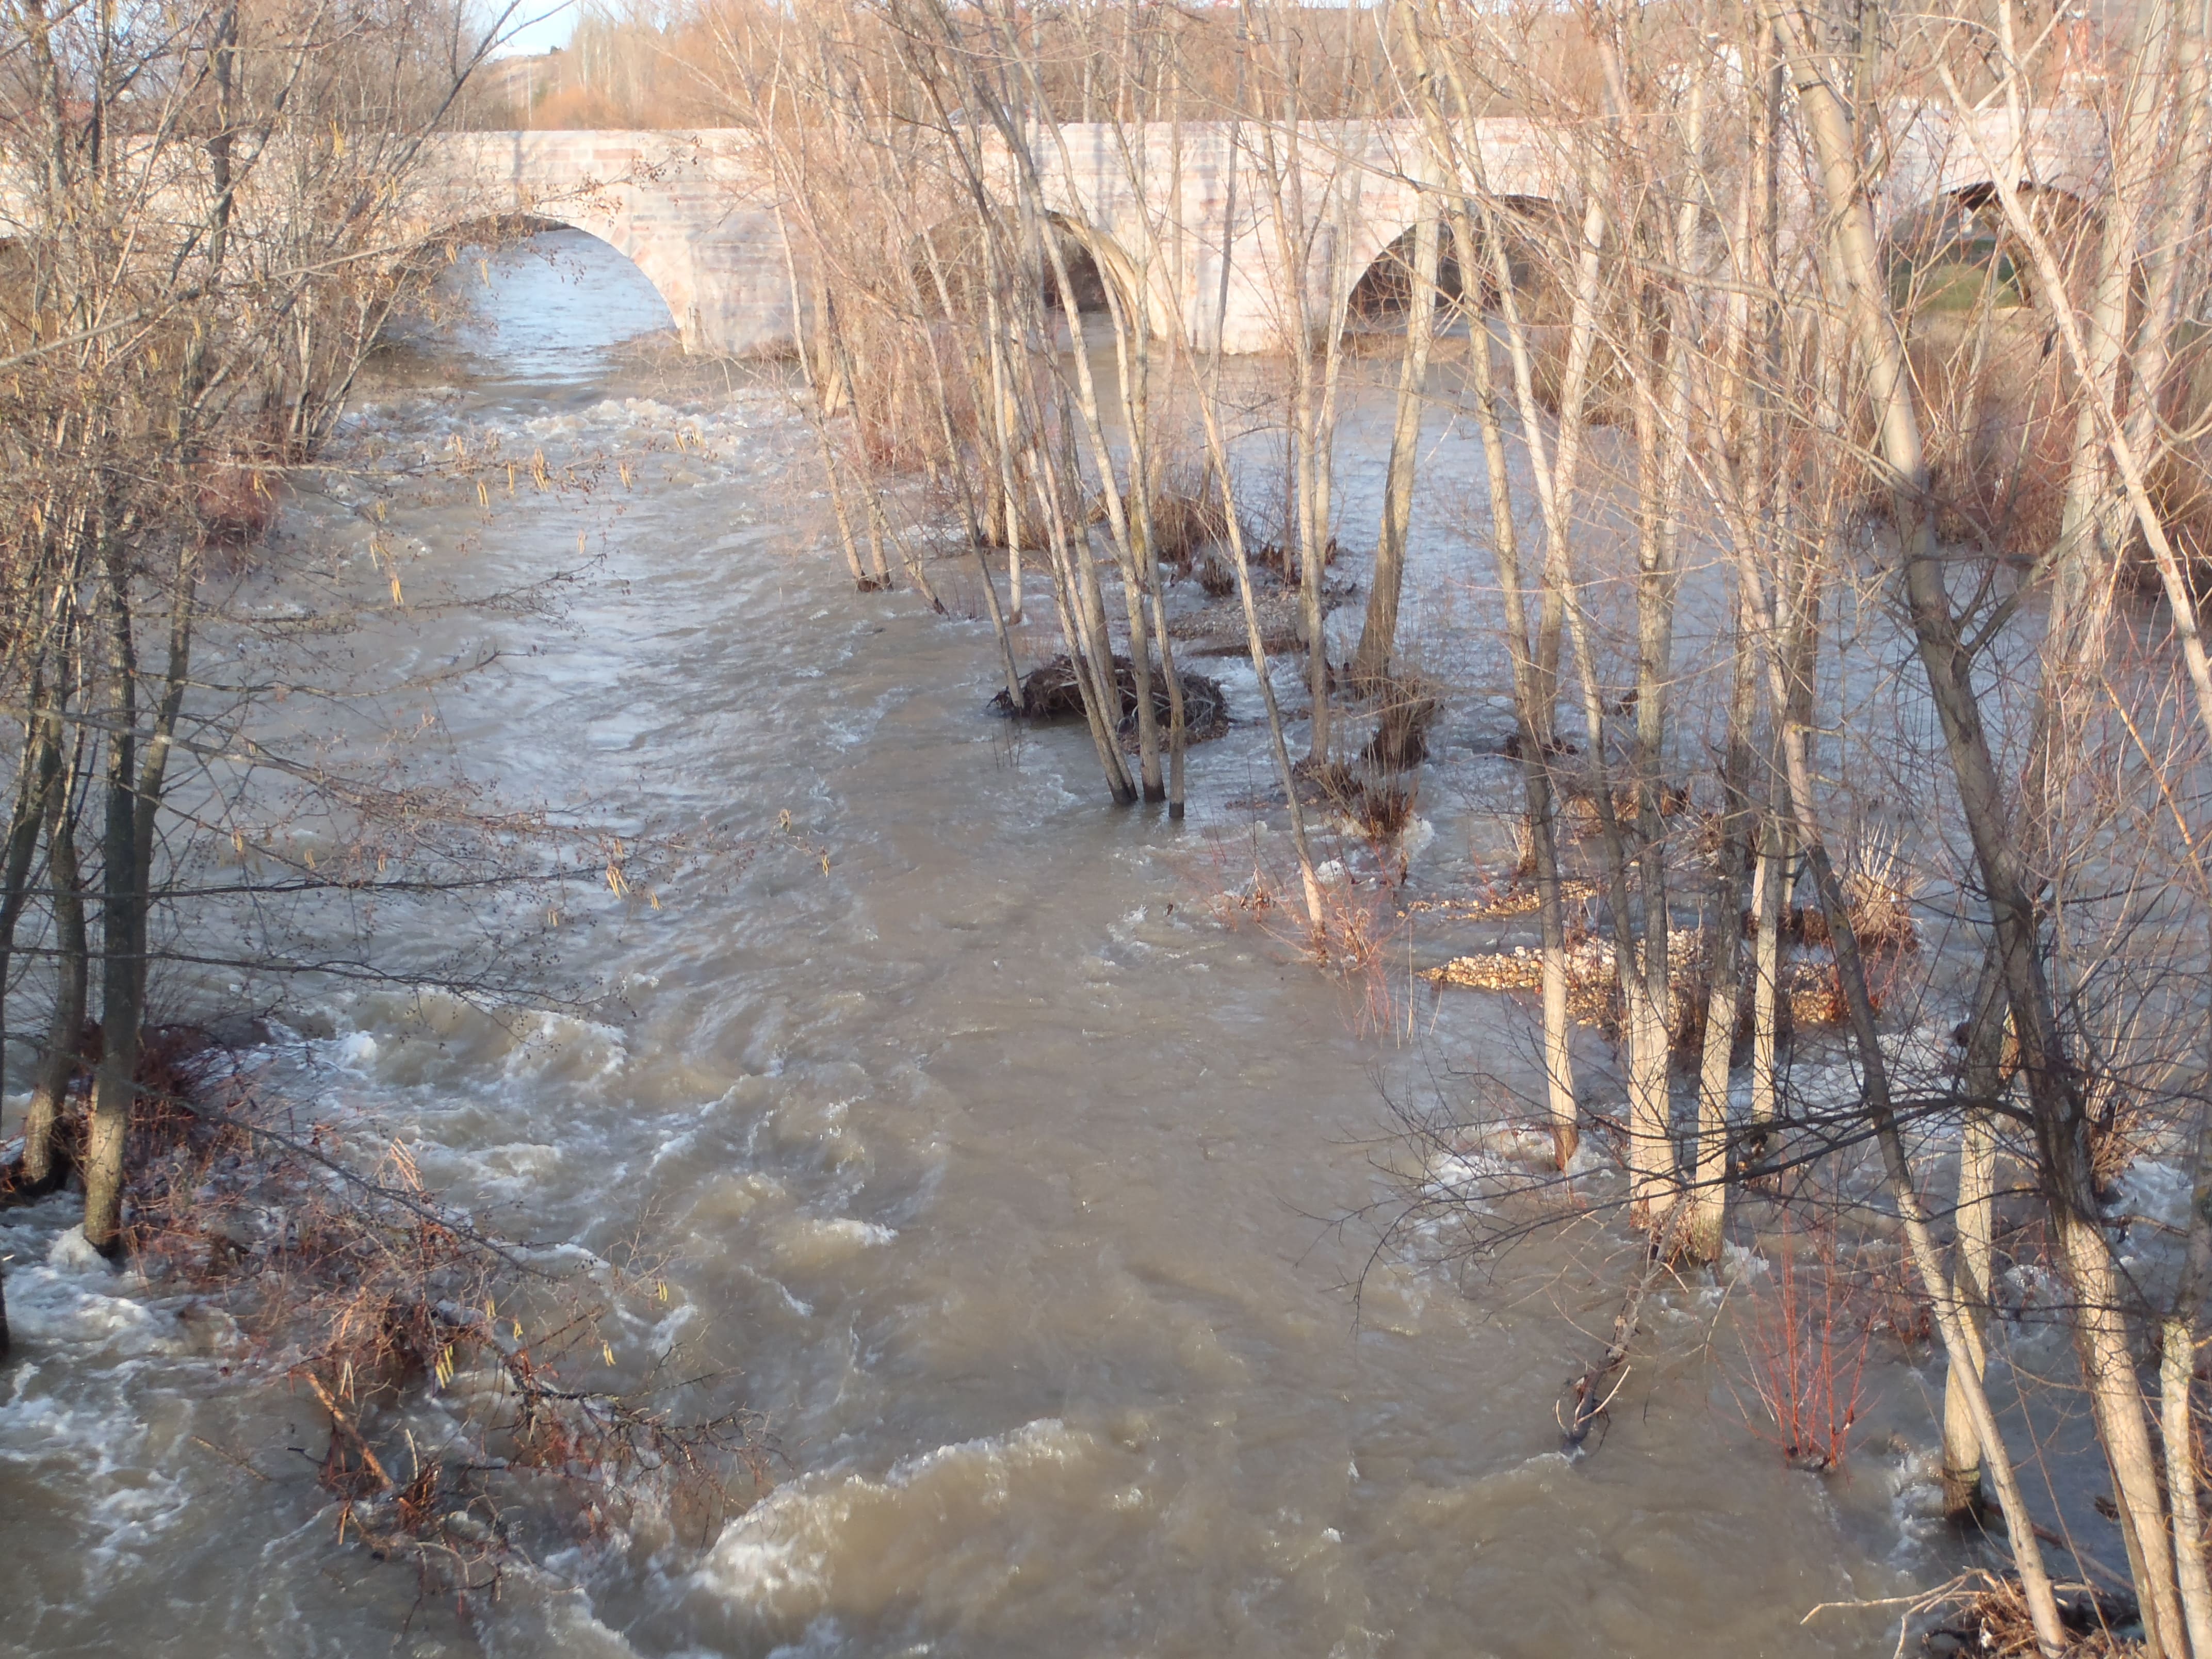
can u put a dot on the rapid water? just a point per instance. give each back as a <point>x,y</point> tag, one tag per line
<point>1000,1171</point>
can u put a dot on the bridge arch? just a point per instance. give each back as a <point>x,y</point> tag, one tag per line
<point>510,229</point>
<point>1378,298</point>
<point>1102,257</point>
<point>1950,252</point>
<point>1096,262</point>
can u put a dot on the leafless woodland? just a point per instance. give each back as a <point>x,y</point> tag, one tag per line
<point>1745,453</point>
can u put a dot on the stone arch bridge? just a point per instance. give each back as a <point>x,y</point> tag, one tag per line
<point>698,213</point>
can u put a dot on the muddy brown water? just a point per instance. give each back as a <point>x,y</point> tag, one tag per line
<point>999,1170</point>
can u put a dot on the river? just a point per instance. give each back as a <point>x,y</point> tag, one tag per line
<point>999,1169</point>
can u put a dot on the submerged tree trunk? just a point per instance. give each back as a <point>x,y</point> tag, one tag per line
<point>1217,448</point>
<point>122,918</point>
<point>59,1061</point>
<point>1132,357</point>
<point>1378,638</point>
<point>1920,1249</point>
<point>1981,1075</point>
<point>2177,1373</point>
<point>1709,1184</point>
<point>34,787</point>
<point>872,496</point>
<point>133,809</point>
<point>1004,412</point>
<point>1536,731</point>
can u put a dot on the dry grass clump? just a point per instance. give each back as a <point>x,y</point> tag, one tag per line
<point>1378,807</point>
<point>1610,388</point>
<point>1273,567</point>
<point>1190,525</point>
<point>1283,561</point>
<point>2181,481</point>
<point>1580,809</point>
<point>2123,1126</point>
<point>1878,890</point>
<point>1185,524</point>
<point>1406,706</point>
<point>1813,991</point>
<point>1025,527</point>
<point>1355,938</point>
<point>1190,511</point>
<point>236,499</point>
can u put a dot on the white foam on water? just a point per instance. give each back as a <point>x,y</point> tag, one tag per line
<point>91,1348</point>
<point>783,1557</point>
<point>63,1296</point>
<point>538,1614</point>
<point>807,1243</point>
<point>2154,1189</point>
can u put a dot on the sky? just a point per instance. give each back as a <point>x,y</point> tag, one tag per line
<point>545,24</point>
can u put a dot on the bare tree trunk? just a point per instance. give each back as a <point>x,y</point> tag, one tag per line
<point>1657,580</point>
<point>1651,1146</point>
<point>2177,1371</point>
<point>1981,1075</point>
<point>1102,704</point>
<point>122,927</point>
<point>1131,353</point>
<point>1004,414</point>
<point>63,1050</point>
<point>1313,390</point>
<point>1370,663</point>
<point>2133,157</point>
<point>34,787</point>
<point>133,808</point>
<point>1770,888</point>
<point>1102,455</point>
<point>871,495</point>
<point>999,628</point>
<point>1321,476</point>
<point>1136,407</point>
<point>2125,457</point>
<point>1708,1215</point>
